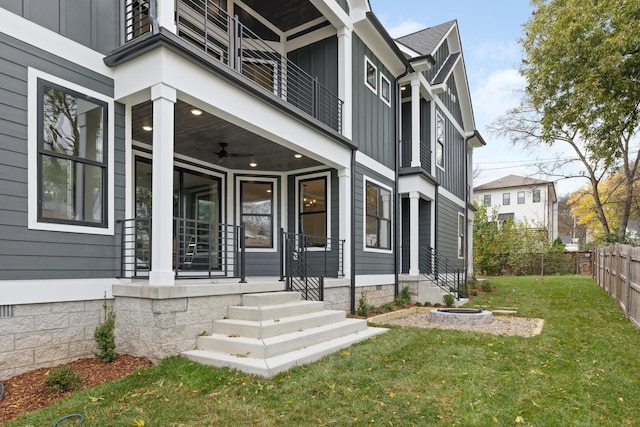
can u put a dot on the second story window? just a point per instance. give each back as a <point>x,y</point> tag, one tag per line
<point>536,196</point>
<point>439,140</point>
<point>385,89</point>
<point>370,75</point>
<point>506,199</point>
<point>521,197</point>
<point>487,200</point>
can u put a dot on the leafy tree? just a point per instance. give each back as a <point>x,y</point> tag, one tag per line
<point>582,62</point>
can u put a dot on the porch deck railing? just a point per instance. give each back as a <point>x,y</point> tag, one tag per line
<point>211,29</point>
<point>406,152</point>
<point>443,272</point>
<point>307,259</point>
<point>200,249</point>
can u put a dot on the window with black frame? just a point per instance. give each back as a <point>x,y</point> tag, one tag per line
<point>313,211</point>
<point>378,217</point>
<point>257,213</point>
<point>72,157</point>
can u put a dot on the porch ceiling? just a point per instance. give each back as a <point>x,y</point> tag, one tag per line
<point>285,14</point>
<point>199,137</point>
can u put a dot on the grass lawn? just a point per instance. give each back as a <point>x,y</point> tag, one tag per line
<point>583,370</point>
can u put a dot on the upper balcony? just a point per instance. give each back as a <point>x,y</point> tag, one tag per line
<point>245,45</point>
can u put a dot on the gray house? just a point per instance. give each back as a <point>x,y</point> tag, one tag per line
<point>177,156</point>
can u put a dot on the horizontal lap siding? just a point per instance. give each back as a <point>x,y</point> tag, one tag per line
<point>370,262</point>
<point>36,254</point>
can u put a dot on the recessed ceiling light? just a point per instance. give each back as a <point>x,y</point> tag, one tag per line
<point>253,164</point>
<point>196,111</point>
<point>297,156</point>
<point>147,128</point>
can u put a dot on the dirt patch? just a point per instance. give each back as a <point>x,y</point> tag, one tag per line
<point>27,392</point>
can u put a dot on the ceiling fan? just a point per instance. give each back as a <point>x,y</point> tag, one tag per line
<point>223,153</point>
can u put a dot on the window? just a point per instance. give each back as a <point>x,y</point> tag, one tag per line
<point>257,213</point>
<point>536,196</point>
<point>521,197</point>
<point>313,211</point>
<point>370,75</point>
<point>503,217</point>
<point>72,157</point>
<point>439,140</point>
<point>378,217</point>
<point>506,199</point>
<point>385,89</point>
<point>487,200</point>
<point>460,235</point>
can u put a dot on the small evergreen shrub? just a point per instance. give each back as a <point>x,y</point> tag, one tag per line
<point>486,286</point>
<point>105,336</point>
<point>404,297</point>
<point>427,304</point>
<point>388,306</point>
<point>448,300</point>
<point>363,307</point>
<point>63,379</point>
<point>437,304</point>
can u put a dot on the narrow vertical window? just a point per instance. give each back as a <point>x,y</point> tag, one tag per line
<point>72,157</point>
<point>536,196</point>
<point>487,200</point>
<point>378,217</point>
<point>460,235</point>
<point>370,75</point>
<point>385,89</point>
<point>440,135</point>
<point>313,211</point>
<point>506,199</point>
<point>521,197</point>
<point>257,213</point>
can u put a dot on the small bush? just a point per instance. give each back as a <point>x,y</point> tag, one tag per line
<point>404,297</point>
<point>363,307</point>
<point>427,304</point>
<point>437,304</point>
<point>418,304</point>
<point>448,300</point>
<point>63,379</point>
<point>486,286</point>
<point>388,306</point>
<point>105,336</point>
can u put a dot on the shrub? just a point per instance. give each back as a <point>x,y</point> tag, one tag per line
<point>486,286</point>
<point>63,379</point>
<point>437,304</point>
<point>404,297</point>
<point>105,336</point>
<point>363,307</point>
<point>448,300</point>
<point>388,306</point>
<point>427,304</point>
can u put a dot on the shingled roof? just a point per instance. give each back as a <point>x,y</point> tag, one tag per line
<point>511,181</point>
<point>426,41</point>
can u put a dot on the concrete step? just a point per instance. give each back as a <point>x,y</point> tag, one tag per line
<point>270,298</point>
<point>272,365</point>
<point>276,326</point>
<point>276,311</point>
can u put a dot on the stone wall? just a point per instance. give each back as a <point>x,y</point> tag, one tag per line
<point>45,335</point>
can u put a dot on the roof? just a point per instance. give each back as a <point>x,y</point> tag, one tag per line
<point>511,181</point>
<point>426,41</point>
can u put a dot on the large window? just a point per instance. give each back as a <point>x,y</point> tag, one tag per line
<point>313,210</point>
<point>257,213</point>
<point>440,135</point>
<point>378,217</point>
<point>72,157</point>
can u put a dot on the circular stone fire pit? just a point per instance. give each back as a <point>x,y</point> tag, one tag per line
<point>460,316</point>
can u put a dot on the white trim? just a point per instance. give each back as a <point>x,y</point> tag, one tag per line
<point>374,279</point>
<point>366,179</point>
<point>366,79</point>
<point>36,35</point>
<point>275,206</point>
<point>59,290</point>
<point>451,197</point>
<point>374,165</point>
<point>327,202</point>
<point>386,80</point>
<point>32,148</point>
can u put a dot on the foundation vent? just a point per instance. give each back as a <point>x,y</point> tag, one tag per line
<point>6,311</point>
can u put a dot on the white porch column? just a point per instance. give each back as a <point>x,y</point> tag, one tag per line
<point>414,238</point>
<point>164,99</point>
<point>415,123</point>
<point>165,15</point>
<point>344,231</point>
<point>345,78</point>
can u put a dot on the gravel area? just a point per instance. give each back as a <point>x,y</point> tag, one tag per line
<point>501,325</point>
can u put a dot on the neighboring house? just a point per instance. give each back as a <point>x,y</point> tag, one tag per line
<point>521,198</point>
<point>172,156</point>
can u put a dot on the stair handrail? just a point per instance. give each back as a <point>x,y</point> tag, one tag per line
<point>295,267</point>
<point>443,272</point>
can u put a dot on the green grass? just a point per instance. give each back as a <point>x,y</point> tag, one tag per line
<point>583,370</point>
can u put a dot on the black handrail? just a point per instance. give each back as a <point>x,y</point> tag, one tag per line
<point>443,272</point>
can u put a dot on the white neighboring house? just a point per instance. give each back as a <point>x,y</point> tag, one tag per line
<point>521,198</point>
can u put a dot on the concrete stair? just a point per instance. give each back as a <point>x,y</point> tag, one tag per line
<point>272,332</point>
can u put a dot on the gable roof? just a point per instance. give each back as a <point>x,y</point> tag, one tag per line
<point>511,181</point>
<point>425,42</point>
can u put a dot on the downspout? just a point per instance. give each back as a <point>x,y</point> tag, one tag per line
<point>396,199</point>
<point>353,231</point>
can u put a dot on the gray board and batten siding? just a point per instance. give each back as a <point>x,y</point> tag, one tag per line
<point>319,60</point>
<point>447,229</point>
<point>95,24</point>
<point>452,176</point>
<point>368,262</point>
<point>36,254</point>
<point>372,131</point>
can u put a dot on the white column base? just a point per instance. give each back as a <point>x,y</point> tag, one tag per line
<point>162,278</point>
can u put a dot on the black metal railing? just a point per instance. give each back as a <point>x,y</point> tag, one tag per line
<point>200,249</point>
<point>307,259</point>
<point>211,29</point>
<point>447,274</point>
<point>406,155</point>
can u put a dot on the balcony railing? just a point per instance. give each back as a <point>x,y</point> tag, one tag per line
<point>211,29</point>
<point>406,155</point>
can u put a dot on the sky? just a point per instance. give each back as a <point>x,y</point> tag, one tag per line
<point>489,31</point>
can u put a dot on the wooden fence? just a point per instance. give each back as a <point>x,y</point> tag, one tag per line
<point>617,271</point>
